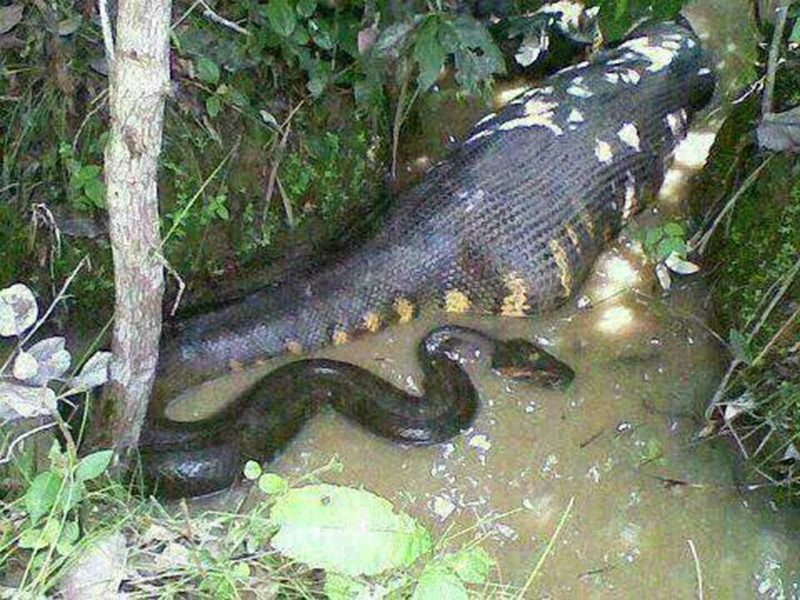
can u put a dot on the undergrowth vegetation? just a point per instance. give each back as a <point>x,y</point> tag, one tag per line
<point>283,124</point>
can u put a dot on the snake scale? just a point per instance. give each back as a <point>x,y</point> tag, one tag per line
<point>509,223</point>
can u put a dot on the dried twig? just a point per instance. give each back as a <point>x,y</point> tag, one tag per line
<point>278,156</point>
<point>774,52</point>
<point>697,569</point>
<point>22,437</point>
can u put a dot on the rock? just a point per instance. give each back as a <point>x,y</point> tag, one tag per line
<point>98,573</point>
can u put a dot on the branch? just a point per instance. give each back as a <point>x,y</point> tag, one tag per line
<point>774,54</point>
<point>108,36</point>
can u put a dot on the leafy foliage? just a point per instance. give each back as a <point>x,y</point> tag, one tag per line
<point>617,17</point>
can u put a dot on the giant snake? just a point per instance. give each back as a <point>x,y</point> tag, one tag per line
<point>509,223</point>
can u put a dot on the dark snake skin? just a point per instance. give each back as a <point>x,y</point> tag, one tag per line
<point>510,223</point>
<point>184,459</point>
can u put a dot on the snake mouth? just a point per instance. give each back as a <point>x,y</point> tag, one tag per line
<point>530,362</point>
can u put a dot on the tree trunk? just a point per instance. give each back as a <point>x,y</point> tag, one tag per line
<point>138,83</point>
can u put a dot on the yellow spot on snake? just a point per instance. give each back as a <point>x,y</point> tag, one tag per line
<point>404,309</point>
<point>574,238</point>
<point>372,321</point>
<point>456,302</point>
<point>294,347</point>
<point>563,266</point>
<point>516,303</point>
<point>339,337</point>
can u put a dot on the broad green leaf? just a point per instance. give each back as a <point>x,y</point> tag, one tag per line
<point>322,34</point>
<point>42,494</point>
<point>306,8</point>
<point>794,37</point>
<point>437,582</point>
<point>252,470</point>
<point>95,190</point>
<point>652,237</point>
<point>673,229</point>
<point>470,564</point>
<point>281,17</point>
<point>669,245</point>
<point>93,465</point>
<point>428,54</point>
<point>269,483</point>
<point>32,539</point>
<point>345,530</point>
<point>207,70</point>
<point>739,346</point>
<point>213,106</point>
<point>342,587</point>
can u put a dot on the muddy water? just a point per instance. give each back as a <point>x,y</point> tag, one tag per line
<point>653,511</point>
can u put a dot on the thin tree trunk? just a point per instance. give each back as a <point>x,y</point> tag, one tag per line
<point>138,83</point>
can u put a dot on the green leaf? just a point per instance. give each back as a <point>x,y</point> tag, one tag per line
<point>669,245</point>
<point>739,346</point>
<point>428,54</point>
<point>322,34</point>
<point>93,465</point>
<point>281,17</point>
<point>674,229</point>
<point>306,8</point>
<point>470,564</point>
<point>269,483</point>
<point>42,494</point>
<point>252,470</point>
<point>32,539</point>
<point>794,37</point>
<point>342,587</point>
<point>652,237</point>
<point>207,70</point>
<point>95,190</point>
<point>437,582</point>
<point>345,530</point>
<point>213,106</point>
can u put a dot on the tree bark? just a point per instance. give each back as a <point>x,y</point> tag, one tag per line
<point>138,84</point>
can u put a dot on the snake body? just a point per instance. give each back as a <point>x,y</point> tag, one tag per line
<point>509,223</point>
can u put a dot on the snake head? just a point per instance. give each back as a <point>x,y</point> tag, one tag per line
<point>522,359</point>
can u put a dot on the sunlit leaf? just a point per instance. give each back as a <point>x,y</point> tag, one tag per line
<point>252,470</point>
<point>42,494</point>
<point>19,401</point>
<point>18,310</point>
<point>269,483</point>
<point>94,372</point>
<point>93,465</point>
<point>472,565</point>
<point>52,357</point>
<point>345,530</point>
<point>437,582</point>
<point>25,366</point>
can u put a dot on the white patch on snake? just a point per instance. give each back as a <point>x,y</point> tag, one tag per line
<point>485,119</point>
<point>704,71</point>
<point>479,135</point>
<point>575,116</point>
<point>630,135</point>
<point>670,45</point>
<point>631,76</point>
<point>612,77</point>
<point>578,90</point>
<point>630,195</point>
<point>538,113</point>
<point>602,150</point>
<point>659,57</point>
<point>571,13</point>
<point>676,122</point>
